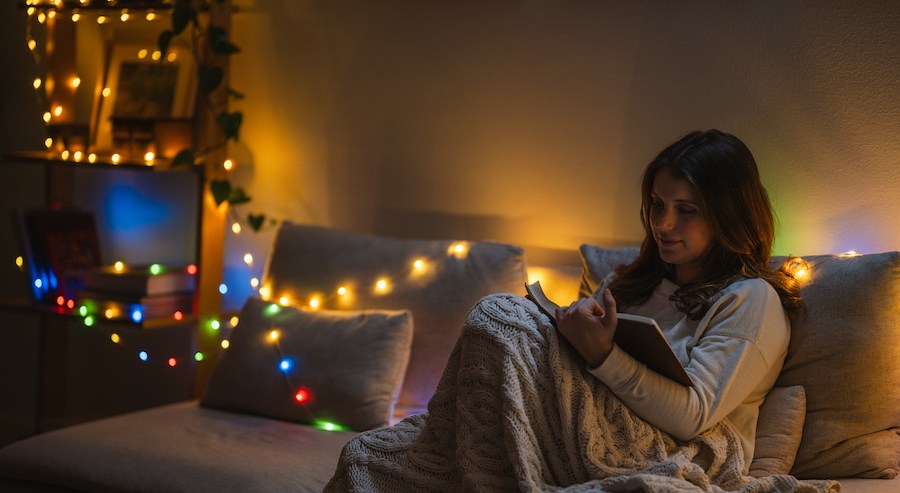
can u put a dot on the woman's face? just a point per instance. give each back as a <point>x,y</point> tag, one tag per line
<point>679,227</point>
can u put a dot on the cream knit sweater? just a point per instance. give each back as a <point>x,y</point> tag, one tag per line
<point>733,355</point>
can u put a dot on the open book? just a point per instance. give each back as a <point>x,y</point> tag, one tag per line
<point>638,336</point>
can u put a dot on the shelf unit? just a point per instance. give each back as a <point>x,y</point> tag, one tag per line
<point>194,333</point>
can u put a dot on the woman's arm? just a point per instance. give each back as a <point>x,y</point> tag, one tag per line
<point>744,334</point>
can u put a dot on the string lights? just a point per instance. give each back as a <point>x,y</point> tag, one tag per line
<point>285,365</point>
<point>57,92</point>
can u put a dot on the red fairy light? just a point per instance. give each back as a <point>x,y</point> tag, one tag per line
<point>302,396</point>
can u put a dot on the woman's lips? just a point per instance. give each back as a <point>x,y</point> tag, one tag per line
<point>667,243</point>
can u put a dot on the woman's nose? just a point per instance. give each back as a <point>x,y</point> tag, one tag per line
<point>664,220</point>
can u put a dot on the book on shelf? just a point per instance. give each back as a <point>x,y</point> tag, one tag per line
<point>136,280</point>
<point>637,335</point>
<point>137,308</point>
<point>54,243</point>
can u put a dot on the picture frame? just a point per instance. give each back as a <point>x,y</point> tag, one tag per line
<point>142,85</point>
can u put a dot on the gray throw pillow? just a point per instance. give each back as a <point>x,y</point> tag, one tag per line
<point>598,262</point>
<point>331,369</point>
<point>437,280</point>
<point>846,355</point>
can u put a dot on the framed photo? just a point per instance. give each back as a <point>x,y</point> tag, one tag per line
<point>142,85</point>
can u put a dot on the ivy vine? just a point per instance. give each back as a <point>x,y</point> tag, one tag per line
<point>213,40</point>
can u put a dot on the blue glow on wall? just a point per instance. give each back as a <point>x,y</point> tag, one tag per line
<point>128,208</point>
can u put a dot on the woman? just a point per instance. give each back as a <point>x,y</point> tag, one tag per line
<point>518,410</point>
<point>703,274</point>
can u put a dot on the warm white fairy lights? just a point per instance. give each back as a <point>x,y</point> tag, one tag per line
<point>59,107</point>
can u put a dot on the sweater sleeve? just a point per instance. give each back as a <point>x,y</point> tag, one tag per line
<point>739,341</point>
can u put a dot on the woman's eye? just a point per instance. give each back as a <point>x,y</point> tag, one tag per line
<point>687,211</point>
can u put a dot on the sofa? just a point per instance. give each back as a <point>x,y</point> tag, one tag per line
<point>351,332</point>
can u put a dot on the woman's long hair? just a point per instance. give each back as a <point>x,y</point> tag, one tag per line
<point>734,202</point>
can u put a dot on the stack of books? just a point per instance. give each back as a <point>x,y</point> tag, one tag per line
<point>139,294</point>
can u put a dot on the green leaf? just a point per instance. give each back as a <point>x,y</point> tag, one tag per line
<point>238,196</point>
<point>230,123</point>
<point>209,77</point>
<point>184,157</point>
<point>256,221</point>
<point>165,38</point>
<point>221,190</point>
<point>182,14</point>
<point>218,41</point>
<point>235,94</point>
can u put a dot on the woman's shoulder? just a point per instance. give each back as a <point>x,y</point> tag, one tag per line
<point>751,289</point>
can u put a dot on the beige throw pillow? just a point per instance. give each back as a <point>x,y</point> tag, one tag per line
<point>778,431</point>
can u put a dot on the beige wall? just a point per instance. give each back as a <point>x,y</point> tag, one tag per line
<point>530,121</point>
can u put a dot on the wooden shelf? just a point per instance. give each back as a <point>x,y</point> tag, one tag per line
<point>102,160</point>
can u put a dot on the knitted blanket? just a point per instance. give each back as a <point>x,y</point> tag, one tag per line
<point>516,411</point>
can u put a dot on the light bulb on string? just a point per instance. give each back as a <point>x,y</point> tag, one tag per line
<point>273,336</point>
<point>315,302</point>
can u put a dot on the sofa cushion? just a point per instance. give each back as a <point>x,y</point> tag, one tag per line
<point>309,262</point>
<point>844,354</point>
<point>778,431</point>
<point>327,368</point>
<point>175,448</point>
<point>598,262</point>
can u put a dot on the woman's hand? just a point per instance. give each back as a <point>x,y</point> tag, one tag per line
<point>589,327</point>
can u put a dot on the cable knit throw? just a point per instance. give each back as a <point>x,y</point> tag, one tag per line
<point>516,411</point>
